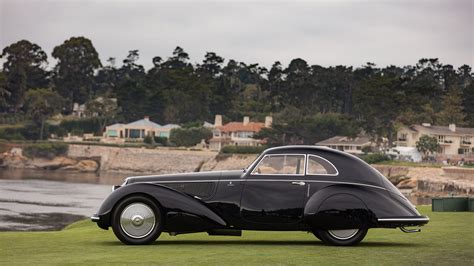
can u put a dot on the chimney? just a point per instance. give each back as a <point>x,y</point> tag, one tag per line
<point>246,120</point>
<point>452,127</point>
<point>147,118</point>
<point>268,121</point>
<point>426,124</point>
<point>218,121</point>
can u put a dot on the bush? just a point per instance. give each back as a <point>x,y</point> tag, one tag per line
<point>243,149</point>
<point>45,150</point>
<point>77,127</point>
<point>188,137</point>
<point>149,140</point>
<point>375,158</point>
<point>4,146</point>
<point>161,141</point>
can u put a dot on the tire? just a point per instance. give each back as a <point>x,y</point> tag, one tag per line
<point>137,220</point>
<point>347,237</point>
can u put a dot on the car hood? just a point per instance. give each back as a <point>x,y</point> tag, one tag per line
<point>196,176</point>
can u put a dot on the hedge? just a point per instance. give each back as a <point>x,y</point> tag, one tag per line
<point>375,158</point>
<point>45,150</point>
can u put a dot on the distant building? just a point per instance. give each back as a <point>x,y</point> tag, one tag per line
<point>455,142</point>
<point>138,130</point>
<point>236,133</point>
<point>347,144</point>
<point>79,110</point>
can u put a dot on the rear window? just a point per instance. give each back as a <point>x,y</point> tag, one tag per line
<point>320,166</point>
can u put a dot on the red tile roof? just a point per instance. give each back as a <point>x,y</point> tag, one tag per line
<point>239,126</point>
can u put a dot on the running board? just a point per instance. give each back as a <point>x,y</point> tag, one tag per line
<point>225,232</point>
<point>404,230</point>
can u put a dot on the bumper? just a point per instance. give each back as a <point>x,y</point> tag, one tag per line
<point>101,220</point>
<point>403,221</point>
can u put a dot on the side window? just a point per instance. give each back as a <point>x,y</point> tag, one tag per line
<point>320,166</point>
<point>281,164</point>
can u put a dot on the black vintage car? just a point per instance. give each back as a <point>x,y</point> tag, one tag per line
<point>332,194</point>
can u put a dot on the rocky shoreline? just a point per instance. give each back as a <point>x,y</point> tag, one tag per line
<point>16,161</point>
<point>418,181</point>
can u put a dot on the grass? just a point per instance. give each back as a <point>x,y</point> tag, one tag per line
<point>448,239</point>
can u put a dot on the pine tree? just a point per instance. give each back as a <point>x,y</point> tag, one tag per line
<point>452,111</point>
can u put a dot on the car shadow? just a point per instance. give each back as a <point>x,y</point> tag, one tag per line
<point>262,243</point>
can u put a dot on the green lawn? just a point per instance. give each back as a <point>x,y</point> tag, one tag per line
<point>447,239</point>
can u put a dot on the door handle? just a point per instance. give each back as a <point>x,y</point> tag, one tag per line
<point>299,183</point>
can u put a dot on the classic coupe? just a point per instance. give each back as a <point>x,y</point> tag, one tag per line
<point>332,194</point>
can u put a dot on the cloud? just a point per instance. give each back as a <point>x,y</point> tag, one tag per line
<point>321,32</point>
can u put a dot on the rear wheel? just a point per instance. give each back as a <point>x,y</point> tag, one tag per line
<point>137,220</point>
<point>343,237</point>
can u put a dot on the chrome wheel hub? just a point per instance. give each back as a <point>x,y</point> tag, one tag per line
<point>343,234</point>
<point>137,220</point>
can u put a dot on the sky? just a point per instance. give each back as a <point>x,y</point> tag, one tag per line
<point>326,33</point>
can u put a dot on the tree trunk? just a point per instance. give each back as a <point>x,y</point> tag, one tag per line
<point>42,128</point>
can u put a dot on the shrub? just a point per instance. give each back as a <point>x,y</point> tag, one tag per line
<point>45,150</point>
<point>4,146</point>
<point>161,141</point>
<point>149,140</point>
<point>188,137</point>
<point>375,158</point>
<point>243,149</point>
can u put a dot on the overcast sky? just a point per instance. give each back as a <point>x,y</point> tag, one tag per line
<point>326,33</point>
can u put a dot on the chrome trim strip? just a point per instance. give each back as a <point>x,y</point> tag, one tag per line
<point>268,180</point>
<point>403,219</point>
<point>95,218</point>
<point>280,154</point>
<point>324,159</point>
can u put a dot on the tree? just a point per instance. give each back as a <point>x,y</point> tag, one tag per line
<point>469,103</point>
<point>379,101</point>
<point>74,72</point>
<point>24,69</point>
<point>104,108</point>
<point>41,104</point>
<point>131,91</point>
<point>427,145</point>
<point>452,112</point>
<point>4,93</point>
<point>188,137</point>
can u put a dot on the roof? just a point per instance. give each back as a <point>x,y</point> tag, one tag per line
<point>443,130</point>
<point>144,122</point>
<point>338,140</point>
<point>207,124</point>
<point>170,126</point>
<point>239,126</point>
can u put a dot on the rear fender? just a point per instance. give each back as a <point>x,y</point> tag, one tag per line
<point>183,212</point>
<point>338,207</point>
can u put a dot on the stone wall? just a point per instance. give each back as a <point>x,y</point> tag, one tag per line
<point>157,161</point>
<point>229,162</point>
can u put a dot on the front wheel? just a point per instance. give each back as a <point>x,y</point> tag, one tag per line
<point>344,237</point>
<point>137,220</point>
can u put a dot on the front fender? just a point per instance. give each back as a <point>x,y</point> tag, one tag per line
<point>173,204</point>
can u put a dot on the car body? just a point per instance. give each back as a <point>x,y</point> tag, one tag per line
<point>335,195</point>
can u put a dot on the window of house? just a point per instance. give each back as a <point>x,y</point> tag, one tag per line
<point>281,164</point>
<point>134,133</point>
<point>441,138</point>
<point>320,166</point>
<point>112,133</point>
<point>403,137</point>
